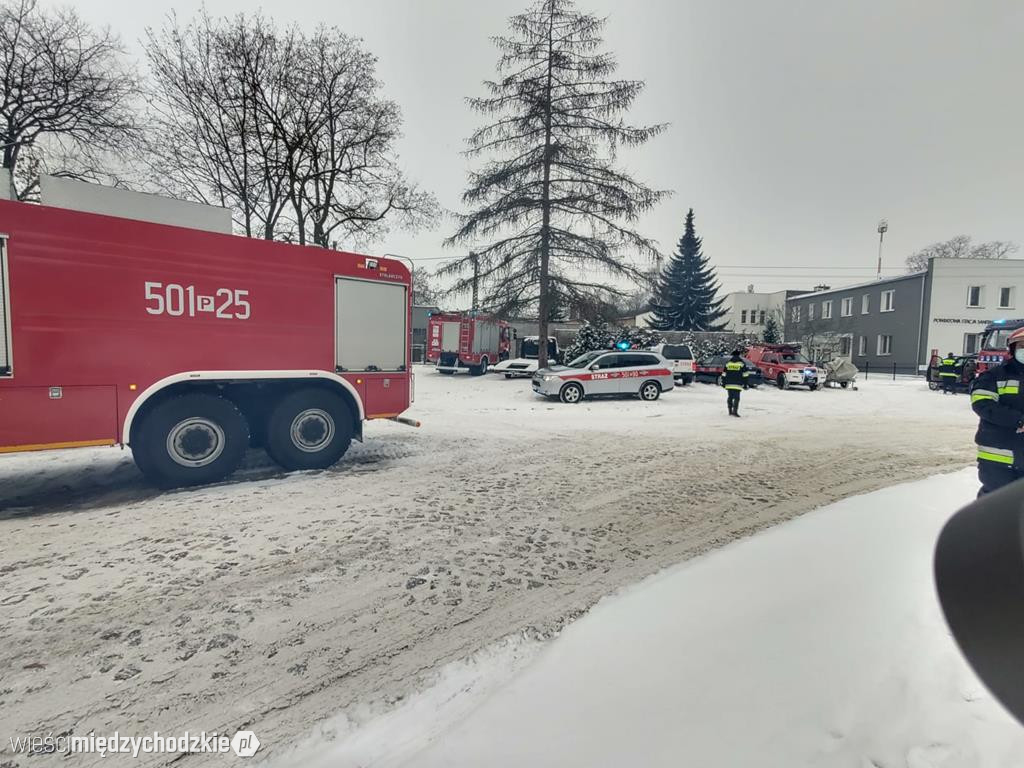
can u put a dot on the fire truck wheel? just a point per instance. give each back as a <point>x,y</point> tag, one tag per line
<point>571,393</point>
<point>780,381</point>
<point>191,439</point>
<point>479,370</point>
<point>309,429</point>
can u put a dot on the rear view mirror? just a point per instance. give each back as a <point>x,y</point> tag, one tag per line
<point>979,574</point>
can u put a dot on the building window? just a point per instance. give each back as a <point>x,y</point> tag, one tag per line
<point>762,317</point>
<point>844,346</point>
<point>888,303</point>
<point>796,313</point>
<point>810,311</point>
<point>826,310</point>
<point>884,344</point>
<point>864,300</point>
<point>972,343</point>
<point>862,346</point>
<point>846,308</point>
<point>974,296</point>
<point>743,317</point>
<point>1006,298</point>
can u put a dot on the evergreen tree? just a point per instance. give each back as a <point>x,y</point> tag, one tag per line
<point>551,212</point>
<point>589,337</point>
<point>771,334</point>
<point>685,299</point>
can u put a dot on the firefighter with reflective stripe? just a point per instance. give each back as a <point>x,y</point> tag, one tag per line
<point>947,372</point>
<point>734,379</point>
<point>996,398</point>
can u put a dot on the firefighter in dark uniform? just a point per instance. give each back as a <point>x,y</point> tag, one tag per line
<point>997,399</point>
<point>948,374</point>
<point>734,379</point>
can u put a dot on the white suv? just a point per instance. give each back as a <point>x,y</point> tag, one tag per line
<point>680,357</point>
<point>606,372</point>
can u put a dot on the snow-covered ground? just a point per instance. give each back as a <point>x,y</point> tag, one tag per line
<point>818,643</point>
<point>277,600</point>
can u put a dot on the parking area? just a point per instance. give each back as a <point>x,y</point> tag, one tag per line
<point>276,600</point>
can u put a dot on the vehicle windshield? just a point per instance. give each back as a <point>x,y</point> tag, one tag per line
<point>586,359</point>
<point>677,352</point>
<point>997,338</point>
<point>531,347</point>
<point>795,357</point>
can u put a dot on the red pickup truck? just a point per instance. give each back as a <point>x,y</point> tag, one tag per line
<point>786,365</point>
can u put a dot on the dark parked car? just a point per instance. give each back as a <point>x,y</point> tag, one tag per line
<point>709,370</point>
<point>966,367</point>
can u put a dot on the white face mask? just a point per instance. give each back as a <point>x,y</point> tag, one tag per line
<point>1018,354</point>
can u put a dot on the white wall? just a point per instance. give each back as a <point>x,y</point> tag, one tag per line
<point>95,198</point>
<point>736,303</point>
<point>949,317</point>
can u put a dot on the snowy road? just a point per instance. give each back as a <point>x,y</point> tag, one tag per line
<point>819,644</point>
<point>275,601</point>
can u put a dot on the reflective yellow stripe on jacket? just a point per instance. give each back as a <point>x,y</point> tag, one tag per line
<point>998,455</point>
<point>1008,387</point>
<point>983,394</point>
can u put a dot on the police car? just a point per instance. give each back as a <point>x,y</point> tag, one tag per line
<point>606,372</point>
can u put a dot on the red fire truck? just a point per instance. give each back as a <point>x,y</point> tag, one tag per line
<point>189,345</point>
<point>467,341</point>
<point>993,349</point>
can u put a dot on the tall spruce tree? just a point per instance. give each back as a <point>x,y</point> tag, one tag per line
<point>550,211</point>
<point>685,299</point>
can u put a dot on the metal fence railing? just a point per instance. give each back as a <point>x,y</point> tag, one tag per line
<point>890,369</point>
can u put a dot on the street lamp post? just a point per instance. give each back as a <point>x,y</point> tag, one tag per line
<point>883,227</point>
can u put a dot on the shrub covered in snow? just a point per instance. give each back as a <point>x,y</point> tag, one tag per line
<point>600,336</point>
<point>594,336</point>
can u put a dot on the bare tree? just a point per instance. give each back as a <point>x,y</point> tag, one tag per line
<point>64,87</point>
<point>424,292</point>
<point>285,128</point>
<point>550,209</point>
<point>960,247</point>
<point>346,179</point>
<point>208,140</point>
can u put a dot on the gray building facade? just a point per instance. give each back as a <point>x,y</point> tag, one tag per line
<point>420,315</point>
<point>876,325</point>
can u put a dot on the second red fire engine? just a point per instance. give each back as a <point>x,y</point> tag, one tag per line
<point>467,341</point>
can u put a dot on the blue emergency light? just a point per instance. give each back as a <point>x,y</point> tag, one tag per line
<point>623,345</point>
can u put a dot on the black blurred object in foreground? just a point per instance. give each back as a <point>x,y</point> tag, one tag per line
<point>979,573</point>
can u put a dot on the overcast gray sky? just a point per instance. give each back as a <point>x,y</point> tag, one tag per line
<point>795,125</point>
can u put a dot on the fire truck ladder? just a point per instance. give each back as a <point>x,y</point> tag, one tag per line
<point>465,334</point>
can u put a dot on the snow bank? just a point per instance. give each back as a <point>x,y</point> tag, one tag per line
<point>818,643</point>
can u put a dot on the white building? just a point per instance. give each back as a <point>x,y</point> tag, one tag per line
<point>747,311</point>
<point>963,295</point>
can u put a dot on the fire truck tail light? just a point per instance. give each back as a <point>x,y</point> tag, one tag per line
<point>132,387</point>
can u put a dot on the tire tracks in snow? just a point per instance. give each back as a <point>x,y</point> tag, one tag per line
<point>276,601</point>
